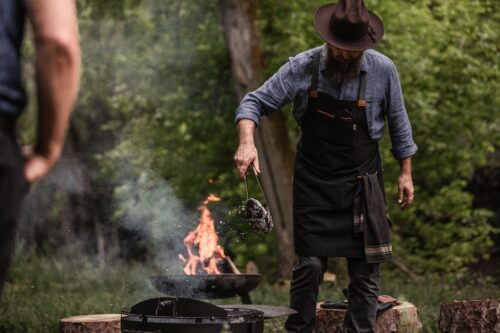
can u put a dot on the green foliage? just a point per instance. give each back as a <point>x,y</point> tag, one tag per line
<point>110,8</point>
<point>158,86</point>
<point>450,74</point>
<point>155,116</point>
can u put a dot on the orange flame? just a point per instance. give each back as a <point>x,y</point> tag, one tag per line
<point>205,239</point>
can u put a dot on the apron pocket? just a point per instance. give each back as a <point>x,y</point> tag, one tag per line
<point>336,194</point>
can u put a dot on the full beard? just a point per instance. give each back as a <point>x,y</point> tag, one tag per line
<point>339,69</point>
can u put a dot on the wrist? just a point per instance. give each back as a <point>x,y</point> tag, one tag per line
<point>50,152</point>
<point>247,143</point>
<point>405,175</point>
<point>405,165</point>
<point>405,172</point>
<point>246,129</point>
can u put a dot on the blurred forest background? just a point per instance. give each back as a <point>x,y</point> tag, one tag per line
<point>153,134</point>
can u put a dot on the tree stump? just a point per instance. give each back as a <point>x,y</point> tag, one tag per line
<point>481,316</point>
<point>101,323</point>
<point>401,318</point>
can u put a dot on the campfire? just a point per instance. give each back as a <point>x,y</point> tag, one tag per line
<point>208,271</point>
<point>205,255</point>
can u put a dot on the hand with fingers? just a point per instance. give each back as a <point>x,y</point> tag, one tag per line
<point>405,191</point>
<point>246,155</point>
<point>37,164</point>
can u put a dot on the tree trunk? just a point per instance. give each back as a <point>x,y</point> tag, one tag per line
<point>67,230</point>
<point>105,323</point>
<point>114,250</point>
<point>271,138</point>
<point>100,241</point>
<point>400,318</point>
<point>480,316</point>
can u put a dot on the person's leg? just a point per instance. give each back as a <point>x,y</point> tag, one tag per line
<point>12,188</point>
<point>306,279</point>
<point>363,296</point>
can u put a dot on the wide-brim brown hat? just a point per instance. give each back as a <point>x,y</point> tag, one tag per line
<point>348,25</point>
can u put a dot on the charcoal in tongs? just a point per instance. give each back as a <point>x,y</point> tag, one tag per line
<point>258,216</point>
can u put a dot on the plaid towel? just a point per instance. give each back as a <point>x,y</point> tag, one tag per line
<point>370,218</point>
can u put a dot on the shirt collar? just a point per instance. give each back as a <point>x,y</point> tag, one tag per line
<point>363,66</point>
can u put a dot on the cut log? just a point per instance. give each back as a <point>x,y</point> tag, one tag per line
<point>330,278</point>
<point>401,318</point>
<point>479,316</point>
<point>100,323</point>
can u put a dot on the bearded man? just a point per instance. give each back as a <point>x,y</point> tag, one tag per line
<point>341,93</point>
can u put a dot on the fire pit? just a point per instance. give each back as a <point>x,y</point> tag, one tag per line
<point>180,315</point>
<point>207,286</point>
<point>209,273</point>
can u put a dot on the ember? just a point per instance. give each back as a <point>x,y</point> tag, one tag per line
<point>204,254</point>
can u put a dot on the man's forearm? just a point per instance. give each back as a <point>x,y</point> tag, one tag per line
<point>57,85</point>
<point>57,68</point>
<point>246,129</point>
<point>405,165</point>
<point>246,154</point>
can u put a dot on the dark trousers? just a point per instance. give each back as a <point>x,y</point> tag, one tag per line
<point>363,295</point>
<point>12,189</point>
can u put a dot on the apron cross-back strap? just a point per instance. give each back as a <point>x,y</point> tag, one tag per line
<point>313,91</point>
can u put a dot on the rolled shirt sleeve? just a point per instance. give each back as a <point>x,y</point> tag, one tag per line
<point>277,91</point>
<point>399,125</point>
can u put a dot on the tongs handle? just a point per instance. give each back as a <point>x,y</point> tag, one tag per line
<point>258,182</point>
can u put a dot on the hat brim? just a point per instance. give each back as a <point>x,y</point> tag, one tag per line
<point>322,24</point>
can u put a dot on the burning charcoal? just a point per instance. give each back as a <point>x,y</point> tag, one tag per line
<point>258,216</point>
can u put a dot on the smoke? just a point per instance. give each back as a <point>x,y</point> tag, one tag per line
<point>128,65</point>
<point>148,206</point>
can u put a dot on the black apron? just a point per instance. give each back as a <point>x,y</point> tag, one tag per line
<point>335,147</point>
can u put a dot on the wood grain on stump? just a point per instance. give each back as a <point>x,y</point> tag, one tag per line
<point>101,323</point>
<point>481,316</point>
<point>402,318</point>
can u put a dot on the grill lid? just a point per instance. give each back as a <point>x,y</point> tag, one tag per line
<point>177,307</point>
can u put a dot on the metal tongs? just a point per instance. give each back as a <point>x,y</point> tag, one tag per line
<point>257,215</point>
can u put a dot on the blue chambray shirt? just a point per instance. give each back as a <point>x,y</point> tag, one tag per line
<point>384,97</point>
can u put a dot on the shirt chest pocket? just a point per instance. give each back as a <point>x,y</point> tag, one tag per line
<point>375,111</point>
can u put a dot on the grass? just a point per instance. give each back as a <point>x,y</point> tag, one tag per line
<point>40,291</point>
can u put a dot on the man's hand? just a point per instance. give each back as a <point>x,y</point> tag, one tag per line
<point>405,184</point>
<point>405,191</point>
<point>246,154</point>
<point>36,165</point>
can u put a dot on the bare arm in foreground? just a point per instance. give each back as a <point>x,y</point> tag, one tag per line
<point>57,76</point>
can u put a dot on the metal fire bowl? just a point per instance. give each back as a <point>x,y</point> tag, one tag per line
<point>206,286</point>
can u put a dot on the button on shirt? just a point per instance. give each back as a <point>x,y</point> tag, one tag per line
<point>384,97</point>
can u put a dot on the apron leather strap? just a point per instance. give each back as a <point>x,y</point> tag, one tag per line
<point>313,91</point>
<point>362,89</point>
